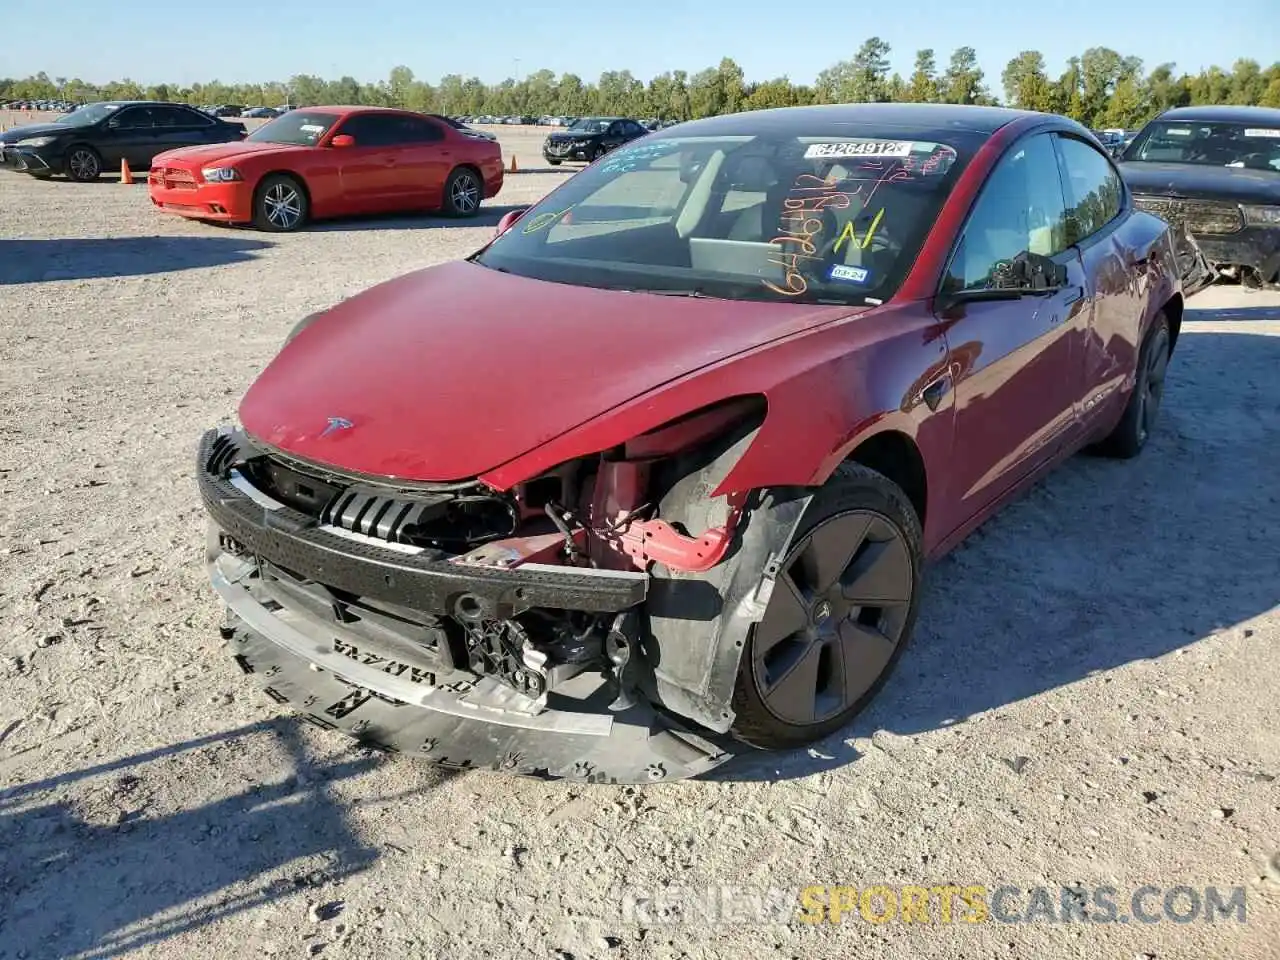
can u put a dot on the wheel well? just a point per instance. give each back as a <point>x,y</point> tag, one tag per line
<point>896,456</point>
<point>1173,313</point>
<point>474,169</point>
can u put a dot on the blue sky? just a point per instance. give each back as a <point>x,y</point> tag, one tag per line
<point>257,40</point>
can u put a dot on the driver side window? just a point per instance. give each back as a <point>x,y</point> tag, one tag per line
<point>1021,209</point>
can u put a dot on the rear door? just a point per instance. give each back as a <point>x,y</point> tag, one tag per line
<point>368,170</point>
<point>424,162</point>
<point>1117,281</point>
<point>179,127</point>
<point>1016,365</point>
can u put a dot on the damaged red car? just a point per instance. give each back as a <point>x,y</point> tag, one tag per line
<point>657,471</point>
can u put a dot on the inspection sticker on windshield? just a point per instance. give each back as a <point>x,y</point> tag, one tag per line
<point>855,274</point>
<point>1259,132</point>
<point>312,128</point>
<point>859,148</point>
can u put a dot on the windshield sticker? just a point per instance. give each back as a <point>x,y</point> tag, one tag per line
<point>1261,132</point>
<point>1179,131</point>
<point>853,274</point>
<point>858,148</point>
<point>545,220</point>
<point>629,158</point>
<point>311,128</point>
<point>850,236</point>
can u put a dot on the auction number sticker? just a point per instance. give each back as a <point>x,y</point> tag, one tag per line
<point>859,148</point>
<point>1260,132</point>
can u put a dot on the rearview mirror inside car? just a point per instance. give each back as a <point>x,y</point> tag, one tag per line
<point>508,221</point>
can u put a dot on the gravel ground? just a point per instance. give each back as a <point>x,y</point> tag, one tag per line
<point>1090,697</point>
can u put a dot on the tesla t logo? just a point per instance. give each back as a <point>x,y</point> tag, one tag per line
<point>335,424</point>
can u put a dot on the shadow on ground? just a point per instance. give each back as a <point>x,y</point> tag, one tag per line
<point>1098,566</point>
<point>487,217</point>
<point>37,261</point>
<point>105,878</point>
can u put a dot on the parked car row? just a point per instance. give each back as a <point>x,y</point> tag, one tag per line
<point>1213,171</point>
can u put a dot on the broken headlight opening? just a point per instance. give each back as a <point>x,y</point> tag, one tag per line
<point>619,510</point>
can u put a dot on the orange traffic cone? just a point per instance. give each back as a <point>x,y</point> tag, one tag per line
<point>126,175</point>
<point>514,168</point>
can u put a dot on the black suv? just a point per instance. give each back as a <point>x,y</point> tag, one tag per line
<point>1215,170</point>
<point>590,138</point>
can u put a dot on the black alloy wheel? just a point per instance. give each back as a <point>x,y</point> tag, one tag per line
<point>843,606</point>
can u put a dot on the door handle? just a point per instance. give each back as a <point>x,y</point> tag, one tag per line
<point>933,393</point>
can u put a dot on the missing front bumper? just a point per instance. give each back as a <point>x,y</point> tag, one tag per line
<point>408,704</point>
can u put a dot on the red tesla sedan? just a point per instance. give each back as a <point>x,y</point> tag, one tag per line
<point>322,162</point>
<point>666,459</point>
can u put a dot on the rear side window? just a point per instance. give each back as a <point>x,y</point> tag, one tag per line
<point>1020,210</point>
<point>1094,188</point>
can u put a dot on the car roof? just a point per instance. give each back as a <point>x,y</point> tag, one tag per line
<point>829,118</point>
<point>344,109</point>
<point>1225,114</point>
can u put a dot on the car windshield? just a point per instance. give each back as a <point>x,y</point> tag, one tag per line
<point>800,219</point>
<point>302,127</point>
<point>91,113</point>
<point>589,125</point>
<point>1250,146</point>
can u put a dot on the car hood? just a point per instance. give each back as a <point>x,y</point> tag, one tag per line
<point>449,372</point>
<point>1201,181</point>
<point>14,134</point>
<point>206,153</point>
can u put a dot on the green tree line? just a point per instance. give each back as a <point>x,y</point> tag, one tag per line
<point>1100,88</point>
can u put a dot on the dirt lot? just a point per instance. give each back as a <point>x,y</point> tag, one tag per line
<point>1090,698</point>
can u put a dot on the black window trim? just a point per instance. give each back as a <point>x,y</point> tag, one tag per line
<point>968,217</point>
<point>139,108</point>
<point>197,118</point>
<point>1126,198</point>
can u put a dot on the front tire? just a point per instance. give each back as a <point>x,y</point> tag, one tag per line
<point>1140,414</point>
<point>555,163</point>
<point>280,204</point>
<point>463,192</point>
<point>843,607</point>
<point>83,164</point>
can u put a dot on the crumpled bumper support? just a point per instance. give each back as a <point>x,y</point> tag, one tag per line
<point>396,695</point>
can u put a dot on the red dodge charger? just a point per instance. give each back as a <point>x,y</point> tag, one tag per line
<point>658,469</point>
<point>330,162</point>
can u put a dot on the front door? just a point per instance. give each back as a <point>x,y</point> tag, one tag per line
<point>128,134</point>
<point>1017,365</point>
<point>369,170</point>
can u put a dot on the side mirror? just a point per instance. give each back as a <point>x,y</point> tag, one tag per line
<point>113,123</point>
<point>343,140</point>
<point>509,220</point>
<point>1027,274</point>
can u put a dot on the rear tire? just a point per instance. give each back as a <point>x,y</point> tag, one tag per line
<point>1140,414</point>
<point>280,204</point>
<point>843,607</point>
<point>83,164</point>
<point>463,192</point>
